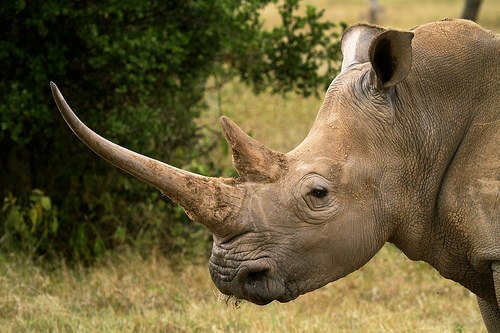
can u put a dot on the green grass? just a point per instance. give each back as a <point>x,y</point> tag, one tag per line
<point>125,293</point>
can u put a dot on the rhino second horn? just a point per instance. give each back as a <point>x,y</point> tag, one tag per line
<point>207,200</point>
<point>252,160</point>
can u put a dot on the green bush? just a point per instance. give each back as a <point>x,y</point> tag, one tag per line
<point>29,225</point>
<point>136,73</point>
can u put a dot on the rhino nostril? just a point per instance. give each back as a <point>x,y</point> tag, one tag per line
<point>255,287</point>
<point>257,275</point>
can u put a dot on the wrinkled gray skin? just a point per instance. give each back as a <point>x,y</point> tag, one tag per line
<point>404,150</point>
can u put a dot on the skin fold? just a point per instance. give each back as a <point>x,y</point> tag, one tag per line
<point>404,149</point>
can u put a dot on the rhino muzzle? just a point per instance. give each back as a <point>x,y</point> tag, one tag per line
<point>257,279</point>
<point>254,281</point>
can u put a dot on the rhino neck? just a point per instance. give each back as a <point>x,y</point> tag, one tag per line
<point>451,143</point>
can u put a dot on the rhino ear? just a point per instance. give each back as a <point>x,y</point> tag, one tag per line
<point>390,54</point>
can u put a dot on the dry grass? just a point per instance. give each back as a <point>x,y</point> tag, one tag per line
<point>403,14</point>
<point>126,293</point>
<point>130,294</point>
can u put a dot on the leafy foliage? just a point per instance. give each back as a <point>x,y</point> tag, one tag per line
<point>29,225</point>
<point>137,73</point>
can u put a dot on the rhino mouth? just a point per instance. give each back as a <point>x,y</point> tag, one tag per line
<point>254,282</point>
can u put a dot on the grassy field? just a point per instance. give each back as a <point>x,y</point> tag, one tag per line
<point>125,293</point>
<point>129,294</point>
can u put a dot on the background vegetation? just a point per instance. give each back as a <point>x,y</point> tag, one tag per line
<point>123,291</point>
<point>138,71</point>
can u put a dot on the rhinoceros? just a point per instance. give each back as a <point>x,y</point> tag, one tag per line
<point>404,149</point>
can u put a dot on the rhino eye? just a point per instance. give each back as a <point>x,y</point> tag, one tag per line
<point>315,197</point>
<point>319,192</point>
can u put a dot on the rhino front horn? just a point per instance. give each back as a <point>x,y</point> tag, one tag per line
<point>252,160</point>
<point>207,200</point>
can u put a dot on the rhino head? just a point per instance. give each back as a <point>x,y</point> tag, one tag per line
<point>293,222</point>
